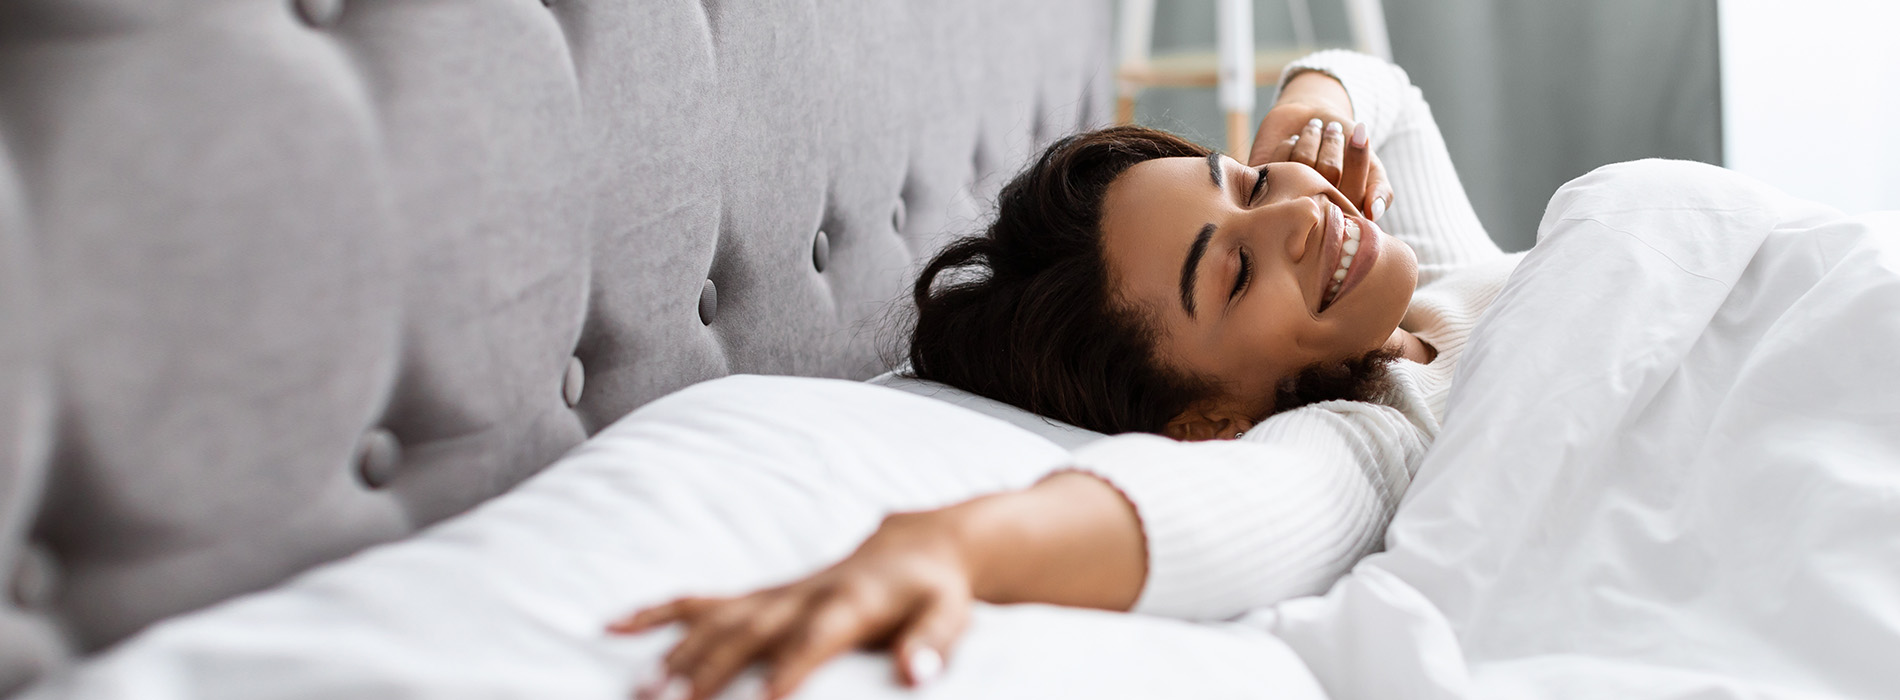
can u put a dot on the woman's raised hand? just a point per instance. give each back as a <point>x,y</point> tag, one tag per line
<point>907,586</point>
<point>1309,127</point>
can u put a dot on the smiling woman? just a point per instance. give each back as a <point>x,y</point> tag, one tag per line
<point>1067,307</point>
<point>1135,282</point>
<point>1291,275</point>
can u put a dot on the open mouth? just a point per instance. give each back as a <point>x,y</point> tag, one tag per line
<point>1358,246</point>
<point>1348,252</point>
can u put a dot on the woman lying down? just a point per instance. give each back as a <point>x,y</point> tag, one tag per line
<point>1134,282</point>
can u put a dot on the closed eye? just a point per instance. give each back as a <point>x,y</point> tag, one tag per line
<point>1245,276</point>
<point>1259,186</point>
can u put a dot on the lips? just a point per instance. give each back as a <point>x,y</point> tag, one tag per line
<point>1355,263</point>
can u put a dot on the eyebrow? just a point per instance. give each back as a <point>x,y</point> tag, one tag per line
<point>1192,267</point>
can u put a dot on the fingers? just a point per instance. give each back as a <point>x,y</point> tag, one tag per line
<point>1355,167</point>
<point>1279,153</point>
<point>894,583</point>
<point>1274,139</point>
<point>1381,190</point>
<point>829,631</point>
<point>1332,147</point>
<point>1306,150</point>
<point>724,642</point>
<point>1267,147</point>
<point>643,620</point>
<point>921,647</point>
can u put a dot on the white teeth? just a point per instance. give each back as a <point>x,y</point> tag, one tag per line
<point>1349,248</point>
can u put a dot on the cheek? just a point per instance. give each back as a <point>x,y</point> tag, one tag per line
<point>1405,267</point>
<point>1398,277</point>
<point>1260,341</point>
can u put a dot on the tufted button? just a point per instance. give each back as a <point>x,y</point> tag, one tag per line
<point>35,578</point>
<point>572,383</point>
<point>377,455</point>
<point>708,302</point>
<point>320,13</point>
<point>821,251</point>
<point>898,213</point>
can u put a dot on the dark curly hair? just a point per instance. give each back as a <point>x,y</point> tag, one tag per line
<point>1023,312</point>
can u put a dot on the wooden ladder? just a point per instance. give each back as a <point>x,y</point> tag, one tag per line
<point>1235,66</point>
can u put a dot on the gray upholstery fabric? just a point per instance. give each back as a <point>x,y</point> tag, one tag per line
<point>29,642</point>
<point>281,279</point>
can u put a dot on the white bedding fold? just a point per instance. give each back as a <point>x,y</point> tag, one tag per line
<point>1671,466</point>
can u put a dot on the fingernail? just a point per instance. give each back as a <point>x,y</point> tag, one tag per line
<point>925,665</point>
<point>1360,136</point>
<point>1314,124</point>
<point>1333,128</point>
<point>1378,208</point>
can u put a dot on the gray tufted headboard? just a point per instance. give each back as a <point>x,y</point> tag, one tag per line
<point>281,279</point>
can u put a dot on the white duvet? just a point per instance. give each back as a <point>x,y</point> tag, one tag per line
<point>1671,469</point>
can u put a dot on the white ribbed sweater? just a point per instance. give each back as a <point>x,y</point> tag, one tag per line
<point>1288,508</point>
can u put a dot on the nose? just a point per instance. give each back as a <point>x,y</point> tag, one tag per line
<point>1299,222</point>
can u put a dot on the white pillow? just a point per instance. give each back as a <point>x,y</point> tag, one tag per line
<point>723,487</point>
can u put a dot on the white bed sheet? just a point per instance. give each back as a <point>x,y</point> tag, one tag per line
<point>724,487</point>
<point>1671,466</point>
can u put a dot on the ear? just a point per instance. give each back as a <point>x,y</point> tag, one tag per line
<point>1208,423</point>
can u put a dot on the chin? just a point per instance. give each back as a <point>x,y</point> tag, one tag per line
<point>1404,262</point>
<point>1388,289</point>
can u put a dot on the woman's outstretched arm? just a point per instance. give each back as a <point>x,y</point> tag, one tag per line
<point>1071,539</point>
<point>1195,530</point>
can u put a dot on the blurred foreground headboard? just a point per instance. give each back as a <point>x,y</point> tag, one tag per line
<point>282,279</point>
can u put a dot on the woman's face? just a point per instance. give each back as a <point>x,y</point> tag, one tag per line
<point>1239,274</point>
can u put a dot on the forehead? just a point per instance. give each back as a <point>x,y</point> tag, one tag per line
<point>1150,216</point>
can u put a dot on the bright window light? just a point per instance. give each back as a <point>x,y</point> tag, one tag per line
<point>1811,98</point>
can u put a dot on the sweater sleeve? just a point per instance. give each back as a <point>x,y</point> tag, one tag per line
<point>1232,525</point>
<point>1429,209</point>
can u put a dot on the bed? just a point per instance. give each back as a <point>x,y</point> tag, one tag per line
<point>1693,508</point>
<point>281,280</point>
<point>398,379</point>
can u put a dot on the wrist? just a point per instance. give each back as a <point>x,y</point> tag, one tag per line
<point>968,533</point>
<point>983,534</point>
<point>944,537</point>
<point>1313,87</point>
<point>1071,539</point>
